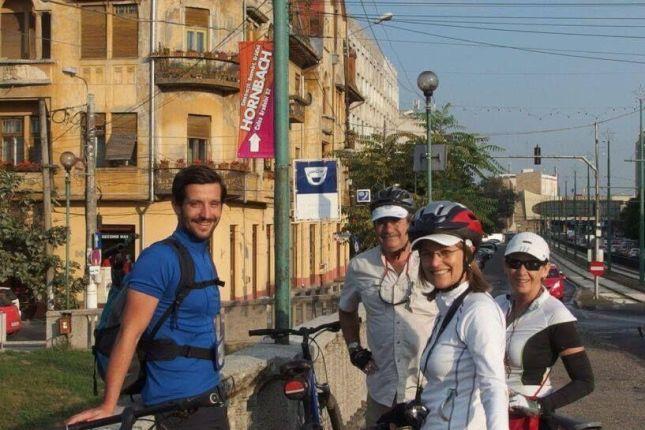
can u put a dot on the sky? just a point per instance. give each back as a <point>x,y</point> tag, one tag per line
<point>498,90</point>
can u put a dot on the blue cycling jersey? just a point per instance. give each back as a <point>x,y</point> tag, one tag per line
<point>156,273</point>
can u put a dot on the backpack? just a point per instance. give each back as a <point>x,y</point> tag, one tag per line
<point>148,347</point>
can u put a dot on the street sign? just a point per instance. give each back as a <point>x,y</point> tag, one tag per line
<point>363,196</point>
<point>439,157</point>
<point>597,268</point>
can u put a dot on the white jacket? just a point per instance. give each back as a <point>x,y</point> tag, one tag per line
<point>466,388</point>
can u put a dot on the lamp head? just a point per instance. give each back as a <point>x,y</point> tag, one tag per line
<point>427,82</point>
<point>385,17</point>
<point>71,71</point>
<point>67,160</point>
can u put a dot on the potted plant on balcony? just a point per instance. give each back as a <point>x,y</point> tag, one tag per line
<point>180,163</point>
<point>27,166</point>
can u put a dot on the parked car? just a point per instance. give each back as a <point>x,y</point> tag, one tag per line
<point>634,252</point>
<point>554,282</point>
<point>7,294</point>
<point>12,313</point>
<point>489,245</point>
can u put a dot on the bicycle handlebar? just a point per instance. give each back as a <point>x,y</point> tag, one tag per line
<point>302,331</point>
<point>130,414</point>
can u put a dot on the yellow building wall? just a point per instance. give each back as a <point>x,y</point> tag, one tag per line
<point>122,85</point>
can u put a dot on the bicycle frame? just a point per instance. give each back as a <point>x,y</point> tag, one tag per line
<point>316,395</point>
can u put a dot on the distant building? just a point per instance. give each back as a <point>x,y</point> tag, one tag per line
<point>409,123</point>
<point>532,188</point>
<point>376,79</point>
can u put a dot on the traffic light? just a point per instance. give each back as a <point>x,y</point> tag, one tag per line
<point>536,155</point>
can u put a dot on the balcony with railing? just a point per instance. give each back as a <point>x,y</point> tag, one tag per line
<point>327,124</point>
<point>296,112</point>
<point>210,71</point>
<point>305,35</point>
<point>297,104</point>
<point>242,185</point>
<point>353,94</point>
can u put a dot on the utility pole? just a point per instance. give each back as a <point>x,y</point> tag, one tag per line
<point>281,136</point>
<point>597,229</point>
<point>641,186</point>
<point>588,209</point>
<point>90,198</point>
<point>47,196</point>
<point>608,208</point>
<point>564,213</point>
<point>575,212</point>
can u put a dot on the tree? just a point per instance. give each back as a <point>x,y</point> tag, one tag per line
<point>384,161</point>
<point>629,219</point>
<point>504,199</point>
<point>23,240</point>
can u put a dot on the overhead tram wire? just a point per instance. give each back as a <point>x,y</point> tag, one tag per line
<point>411,90</point>
<point>475,44</point>
<point>507,4</point>
<point>517,48</point>
<point>513,30</point>
<point>554,130</point>
<point>533,24</point>
<point>396,53</point>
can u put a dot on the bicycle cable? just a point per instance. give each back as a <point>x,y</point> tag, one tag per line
<point>321,354</point>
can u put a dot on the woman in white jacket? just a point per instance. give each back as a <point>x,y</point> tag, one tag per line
<point>463,361</point>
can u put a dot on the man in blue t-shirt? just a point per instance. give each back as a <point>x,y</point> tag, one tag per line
<point>198,193</point>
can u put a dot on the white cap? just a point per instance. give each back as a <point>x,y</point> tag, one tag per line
<point>441,239</point>
<point>528,243</point>
<point>389,211</point>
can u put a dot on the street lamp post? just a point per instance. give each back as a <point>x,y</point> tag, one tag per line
<point>428,83</point>
<point>67,160</point>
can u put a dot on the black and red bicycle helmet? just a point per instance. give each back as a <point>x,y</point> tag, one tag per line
<point>445,218</point>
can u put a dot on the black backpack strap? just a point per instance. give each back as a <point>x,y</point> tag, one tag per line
<point>451,313</point>
<point>186,282</point>
<point>186,277</point>
<point>167,349</point>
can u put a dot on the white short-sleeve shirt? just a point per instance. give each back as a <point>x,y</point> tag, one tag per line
<point>396,334</point>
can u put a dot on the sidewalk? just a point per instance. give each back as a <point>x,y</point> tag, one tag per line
<point>611,294</point>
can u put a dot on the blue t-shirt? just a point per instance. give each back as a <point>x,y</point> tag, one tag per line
<point>156,273</point>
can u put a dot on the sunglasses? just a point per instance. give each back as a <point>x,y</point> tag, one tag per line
<point>531,265</point>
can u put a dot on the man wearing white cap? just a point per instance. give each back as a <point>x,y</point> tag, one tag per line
<point>399,316</point>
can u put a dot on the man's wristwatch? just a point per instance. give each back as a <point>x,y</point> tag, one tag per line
<point>353,346</point>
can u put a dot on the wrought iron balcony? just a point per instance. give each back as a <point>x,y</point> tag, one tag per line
<point>327,124</point>
<point>210,71</point>
<point>296,112</point>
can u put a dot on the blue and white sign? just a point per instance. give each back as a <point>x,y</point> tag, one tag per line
<point>316,188</point>
<point>363,196</point>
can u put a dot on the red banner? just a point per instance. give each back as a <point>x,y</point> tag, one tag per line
<point>256,100</point>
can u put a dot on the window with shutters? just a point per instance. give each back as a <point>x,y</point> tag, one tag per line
<point>34,150</point>
<point>125,31</point>
<point>197,29</point>
<point>199,127</point>
<point>17,30</point>
<point>121,148</point>
<point>93,32</point>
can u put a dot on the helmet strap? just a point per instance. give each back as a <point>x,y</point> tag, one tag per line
<point>396,254</point>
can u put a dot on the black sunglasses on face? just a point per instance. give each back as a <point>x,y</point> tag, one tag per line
<point>531,265</point>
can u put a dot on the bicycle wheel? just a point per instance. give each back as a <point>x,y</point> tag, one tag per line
<point>330,417</point>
